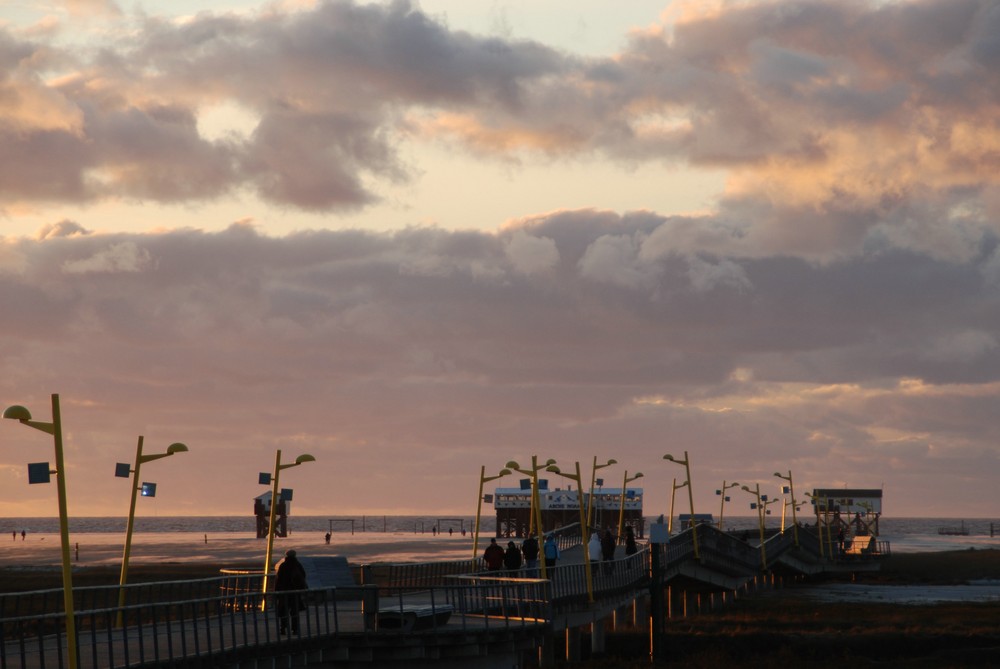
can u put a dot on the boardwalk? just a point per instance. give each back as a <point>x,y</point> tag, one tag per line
<point>435,611</point>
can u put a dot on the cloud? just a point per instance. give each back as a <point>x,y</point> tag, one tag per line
<point>841,124</point>
<point>837,309</point>
<point>461,345</point>
<point>122,257</point>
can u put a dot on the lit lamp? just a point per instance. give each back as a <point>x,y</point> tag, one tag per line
<point>760,520</point>
<point>791,491</point>
<point>483,478</point>
<point>725,498</point>
<point>687,472</point>
<point>621,507</point>
<point>305,457</point>
<point>593,481</point>
<point>584,533</point>
<point>148,490</point>
<point>536,502</point>
<point>39,473</point>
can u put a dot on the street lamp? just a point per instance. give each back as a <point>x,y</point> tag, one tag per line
<point>483,478</point>
<point>305,457</point>
<point>535,514</point>
<point>791,491</point>
<point>20,413</point>
<point>123,471</point>
<point>584,530</point>
<point>687,470</point>
<point>673,496</point>
<point>621,509</point>
<point>725,498</point>
<point>593,481</point>
<point>826,521</point>
<point>760,520</point>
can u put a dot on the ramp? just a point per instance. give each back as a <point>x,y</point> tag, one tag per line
<point>327,572</point>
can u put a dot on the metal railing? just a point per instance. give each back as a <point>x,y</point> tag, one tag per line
<point>217,622</point>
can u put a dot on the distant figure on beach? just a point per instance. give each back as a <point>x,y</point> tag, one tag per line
<point>327,538</point>
<point>630,547</point>
<point>434,530</point>
<point>530,551</point>
<point>449,531</point>
<point>291,575</point>
<point>512,558</point>
<point>551,551</point>
<point>493,556</point>
<point>23,533</point>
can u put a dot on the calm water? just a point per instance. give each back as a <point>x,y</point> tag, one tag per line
<point>905,534</point>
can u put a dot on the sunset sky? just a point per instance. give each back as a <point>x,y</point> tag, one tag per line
<point>415,238</point>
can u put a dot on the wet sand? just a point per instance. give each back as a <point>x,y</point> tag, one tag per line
<point>227,549</point>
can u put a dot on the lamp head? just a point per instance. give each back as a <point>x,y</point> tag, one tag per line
<point>512,464</point>
<point>504,472</point>
<point>17,412</point>
<point>553,469</point>
<point>305,457</point>
<point>176,447</point>
<point>746,487</point>
<point>550,461</point>
<point>669,457</point>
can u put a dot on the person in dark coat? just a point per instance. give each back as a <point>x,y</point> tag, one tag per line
<point>530,550</point>
<point>291,575</point>
<point>493,556</point>
<point>630,547</point>
<point>608,543</point>
<point>512,558</point>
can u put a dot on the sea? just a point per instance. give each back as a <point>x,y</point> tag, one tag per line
<point>903,534</point>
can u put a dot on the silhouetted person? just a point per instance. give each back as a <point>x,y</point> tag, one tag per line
<point>291,575</point>
<point>530,550</point>
<point>630,547</point>
<point>512,558</point>
<point>608,542</point>
<point>493,556</point>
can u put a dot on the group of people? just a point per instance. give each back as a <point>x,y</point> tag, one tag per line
<point>525,555</point>
<point>601,546</point>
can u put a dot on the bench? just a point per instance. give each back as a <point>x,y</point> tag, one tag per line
<point>413,617</point>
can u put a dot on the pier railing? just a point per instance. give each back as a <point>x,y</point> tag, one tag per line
<point>215,622</point>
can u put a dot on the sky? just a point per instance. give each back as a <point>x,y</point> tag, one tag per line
<point>414,239</point>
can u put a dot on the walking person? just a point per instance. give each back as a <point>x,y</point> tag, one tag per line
<point>530,551</point>
<point>630,547</point>
<point>551,552</point>
<point>493,556</point>
<point>594,547</point>
<point>291,576</point>
<point>512,558</point>
<point>608,542</point>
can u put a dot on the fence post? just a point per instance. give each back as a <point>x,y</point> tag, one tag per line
<point>369,607</point>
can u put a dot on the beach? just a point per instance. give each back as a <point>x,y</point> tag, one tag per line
<point>93,549</point>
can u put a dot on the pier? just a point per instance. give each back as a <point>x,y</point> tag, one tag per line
<point>444,614</point>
